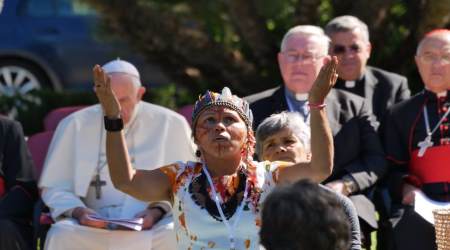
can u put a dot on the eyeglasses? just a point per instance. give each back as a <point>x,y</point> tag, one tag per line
<point>429,58</point>
<point>341,49</point>
<point>294,56</point>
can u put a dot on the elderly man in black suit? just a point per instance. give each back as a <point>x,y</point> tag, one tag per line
<point>18,190</point>
<point>417,143</point>
<point>359,158</point>
<point>350,44</point>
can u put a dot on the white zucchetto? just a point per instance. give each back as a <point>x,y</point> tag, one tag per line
<point>121,66</point>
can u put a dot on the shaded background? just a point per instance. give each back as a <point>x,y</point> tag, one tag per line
<point>208,44</point>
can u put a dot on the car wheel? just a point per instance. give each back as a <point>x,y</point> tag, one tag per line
<point>20,77</point>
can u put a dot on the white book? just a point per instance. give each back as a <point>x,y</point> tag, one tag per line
<point>424,206</point>
<point>113,223</point>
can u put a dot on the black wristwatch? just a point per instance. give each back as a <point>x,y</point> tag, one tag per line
<point>113,125</point>
<point>350,185</point>
<point>163,212</point>
<point>161,206</point>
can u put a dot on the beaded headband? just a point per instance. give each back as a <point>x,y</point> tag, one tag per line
<point>225,99</point>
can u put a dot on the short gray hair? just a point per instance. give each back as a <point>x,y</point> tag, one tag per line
<point>307,31</point>
<point>345,24</point>
<point>277,122</point>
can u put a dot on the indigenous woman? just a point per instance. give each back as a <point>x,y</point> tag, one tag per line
<point>216,200</point>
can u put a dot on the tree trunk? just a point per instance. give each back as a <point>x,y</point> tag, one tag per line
<point>307,12</point>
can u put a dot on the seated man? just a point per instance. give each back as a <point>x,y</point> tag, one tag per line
<point>417,143</point>
<point>350,43</point>
<point>286,137</point>
<point>358,154</point>
<point>303,216</point>
<point>18,190</point>
<point>76,183</point>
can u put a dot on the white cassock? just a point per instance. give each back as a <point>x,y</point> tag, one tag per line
<point>155,137</point>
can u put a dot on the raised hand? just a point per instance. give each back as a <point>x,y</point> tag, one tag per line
<point>105,95</point>
<point>324,82</point>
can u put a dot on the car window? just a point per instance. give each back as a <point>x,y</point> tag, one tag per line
<point>74,8</point>
<point>46,8</point>
<point>40,8</point>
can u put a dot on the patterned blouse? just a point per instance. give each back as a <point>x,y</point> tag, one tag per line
<point>198,223</point>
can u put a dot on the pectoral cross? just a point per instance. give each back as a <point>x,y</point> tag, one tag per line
<point>98,183</point>
<point>424,145</point>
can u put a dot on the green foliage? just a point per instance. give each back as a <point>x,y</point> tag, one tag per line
<point>326,12</point>
<point>32,108</point>
<point>169,96</point>
<point>208,44</point>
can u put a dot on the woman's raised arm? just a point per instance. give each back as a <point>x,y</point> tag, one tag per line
<point>148,185</point>
<point>322,149</point>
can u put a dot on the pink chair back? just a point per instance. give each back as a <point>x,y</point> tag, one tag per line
<point>38,145</point>
<point>52,119</point>
<point>186,111</point>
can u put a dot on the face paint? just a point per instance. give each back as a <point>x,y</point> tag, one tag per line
<point>220,131</point>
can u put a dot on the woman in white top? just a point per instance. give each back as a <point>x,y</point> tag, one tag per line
<point>216,201</point>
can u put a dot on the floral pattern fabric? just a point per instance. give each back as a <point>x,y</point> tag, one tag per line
<point>197,223</point>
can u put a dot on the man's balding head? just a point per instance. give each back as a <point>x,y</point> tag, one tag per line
<point>433,60</point>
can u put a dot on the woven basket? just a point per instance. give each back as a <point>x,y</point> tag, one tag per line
<point>442,228</point>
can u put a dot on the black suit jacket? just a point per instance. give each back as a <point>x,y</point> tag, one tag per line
<point>380,88</point>
<point>358,150</point>
<point>16,171</point>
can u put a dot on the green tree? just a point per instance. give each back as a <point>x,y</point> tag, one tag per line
<point>212,43</point>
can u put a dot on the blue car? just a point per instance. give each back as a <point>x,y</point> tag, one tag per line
<point>54,44</point>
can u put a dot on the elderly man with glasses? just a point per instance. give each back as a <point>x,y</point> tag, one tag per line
<point>350,43</point>
<point>417,143</point>
<point>359,159</point>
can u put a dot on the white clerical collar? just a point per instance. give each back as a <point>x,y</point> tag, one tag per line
<point>301,96</point>
<point>297,96</point>
<point>440,94</point>
<point>350,84</point>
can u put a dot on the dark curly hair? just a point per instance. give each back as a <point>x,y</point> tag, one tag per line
<point>304,216</point>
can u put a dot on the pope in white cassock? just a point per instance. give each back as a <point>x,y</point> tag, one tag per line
<point>75,181</point>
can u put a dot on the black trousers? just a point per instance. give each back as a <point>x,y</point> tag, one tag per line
<point>15,235</point>
<point>412,232</point>
<point>407,230</point>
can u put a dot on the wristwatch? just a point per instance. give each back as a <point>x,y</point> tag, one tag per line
<point>163,212</point>
<point>113,125</point>
<point>349,184</point>
<point>162,206</point>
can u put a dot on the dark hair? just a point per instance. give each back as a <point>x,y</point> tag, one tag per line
<point>303,216</point>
